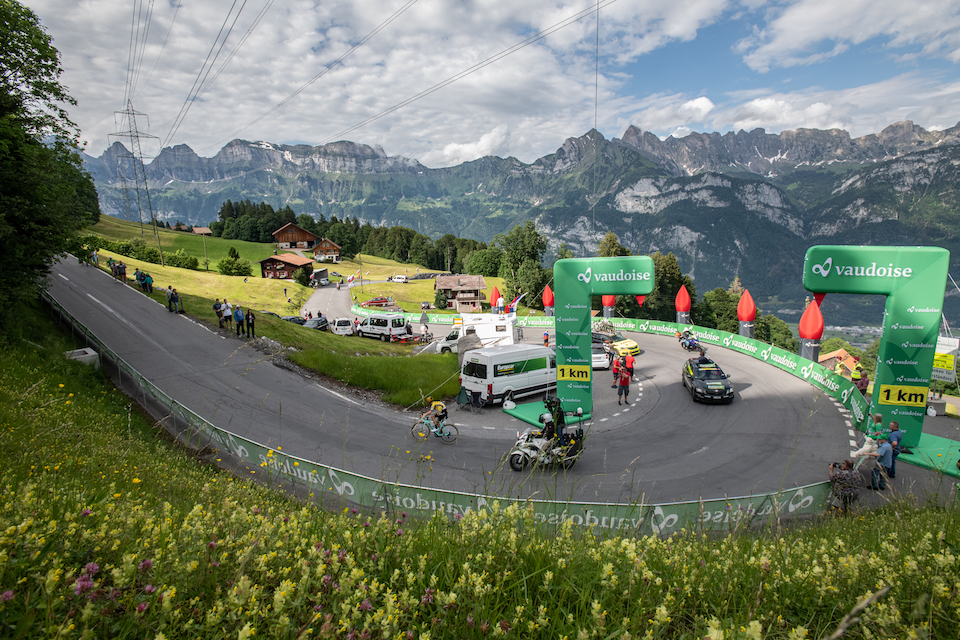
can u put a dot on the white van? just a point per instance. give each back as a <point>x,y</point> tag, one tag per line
<point>490,328</point>
<point>508,372</point>
<point>386,326</point>
<point>400,279</point>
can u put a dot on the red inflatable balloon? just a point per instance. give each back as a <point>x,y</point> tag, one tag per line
<point>494,297</point>
<point>640,300</point>
<point>746,309</point>
<point>683,300</point>
<point>608,301</point>
<point>811,323</point>
<point>547,296</point>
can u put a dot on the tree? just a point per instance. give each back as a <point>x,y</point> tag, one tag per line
<point>233,253</point>
<point>485,262</point>
<point>563,252</point>
<point>773,330</point>
<point>440,300</point>
<point>724,309</point>
<point>45,196</point>
<point>523,242</point>
<point>234,267</point>
<point>610,246</point>
<point>302,275</point>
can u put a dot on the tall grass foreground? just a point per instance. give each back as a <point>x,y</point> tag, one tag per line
<point>106,531</point>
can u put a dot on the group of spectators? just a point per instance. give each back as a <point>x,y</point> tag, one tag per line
<point>228,314</point>
<point>174,303</point>
<point>144,280</point>
<point>118,269</point>
<point>878,456</point>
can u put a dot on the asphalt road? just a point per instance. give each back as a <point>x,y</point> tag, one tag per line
<point>779,432</point>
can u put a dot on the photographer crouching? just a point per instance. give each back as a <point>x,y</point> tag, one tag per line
<point>844,485</point>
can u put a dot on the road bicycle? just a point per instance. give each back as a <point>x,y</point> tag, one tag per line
<point>425,338</point>
<point>423,427</point>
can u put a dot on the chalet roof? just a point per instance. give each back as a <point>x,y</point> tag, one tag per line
<point>461,283</point>
<point>203,231</point>
<point>290,224</point>
<point>330,241</point>
<point>841,355</point>
<point>289,258</point>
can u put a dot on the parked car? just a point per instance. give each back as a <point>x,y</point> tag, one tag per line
<point>342,327</point>
<point>424,305</point>
<point>336,275</point>
<point>400,279</point>
<point>268,313</point>
<point>706,381</point>
<point>379,301</point>
<point>320,324</point>
<point>324,282</point>
<point>293,319</point>
<point>599,357</point>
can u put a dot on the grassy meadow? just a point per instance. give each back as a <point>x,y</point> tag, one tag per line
<point>373,270</point>
<point>360,362</point>
<point>107,531</point>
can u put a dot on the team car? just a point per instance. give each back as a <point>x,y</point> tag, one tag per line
<point>706,381</point>
<point>318,323</point>
<point>615,343</point>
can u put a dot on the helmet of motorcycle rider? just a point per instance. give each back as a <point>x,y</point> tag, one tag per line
<point>546,418</point>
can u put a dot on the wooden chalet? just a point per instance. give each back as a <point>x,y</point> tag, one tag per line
<point>830,360</point>
<point>282,265</point>
<point>290,236</point>
<point>326,251</point>
<point>463,292</point>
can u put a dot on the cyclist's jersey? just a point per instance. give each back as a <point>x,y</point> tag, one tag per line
<point>438,406</point>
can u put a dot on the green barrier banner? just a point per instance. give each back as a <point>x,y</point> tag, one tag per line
<point>914,280</point>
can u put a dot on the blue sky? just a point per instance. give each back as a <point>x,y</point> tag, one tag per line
<point>667,66</point>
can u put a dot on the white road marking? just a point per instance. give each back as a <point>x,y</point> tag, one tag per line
<point>339,395</point>
<point>490,428</point>
<point>64,277</point>
<point>848,423</point>
<point>851,433</point>
<point>853,443</point>
<point>699,451</point>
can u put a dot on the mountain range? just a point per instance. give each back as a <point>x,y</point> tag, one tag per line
<point>744,204</point>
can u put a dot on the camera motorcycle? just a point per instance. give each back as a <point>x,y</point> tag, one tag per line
<point>552,444</point>
<point>690,342</point>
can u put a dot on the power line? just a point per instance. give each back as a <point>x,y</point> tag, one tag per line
<point>240,44</point>
<point>477,67</point>
<point>163,47</point>
<point>326,69</point>
<point>204,70</point>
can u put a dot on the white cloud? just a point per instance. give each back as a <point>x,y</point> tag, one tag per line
<point>489,144</point>
<point>860,110</point>
<point>669,112</point>
<point>812,31</point>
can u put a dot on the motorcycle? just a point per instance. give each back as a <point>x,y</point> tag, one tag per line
<point>552,444</point>
<point>690,343</point>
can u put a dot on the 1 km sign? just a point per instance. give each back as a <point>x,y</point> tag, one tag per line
<point>914,280</point>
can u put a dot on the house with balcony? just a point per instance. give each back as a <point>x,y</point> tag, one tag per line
<point>282,265</point>
<point>464,293</point>
<point>326,251</point>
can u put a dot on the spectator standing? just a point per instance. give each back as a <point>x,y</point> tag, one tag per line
<point>251,319</point>
<point>844,483</point>
<point>546,339</point>
<point>217,310</point>
<point>227,311</point>
<point>177,303</point>
<point>880,472</point>
<point>169,293</point>
<point>238,318</point>
<point>148,282</point>
<point>895,437</point>
<point>624,387</point>
<point>629,361</point>
<point>122,272</point>
<point>616,372</point>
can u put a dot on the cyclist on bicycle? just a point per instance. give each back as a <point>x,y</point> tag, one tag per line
<point>439,414</point>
